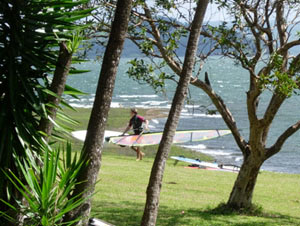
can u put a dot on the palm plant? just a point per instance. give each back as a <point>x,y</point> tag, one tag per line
<point>46,189</point>
<point>28,53</point>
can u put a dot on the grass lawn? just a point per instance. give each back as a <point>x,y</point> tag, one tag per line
<point>189,196</point>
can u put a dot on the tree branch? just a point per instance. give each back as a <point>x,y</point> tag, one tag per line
<point>223,110</point>
<point>285,47</point>
<point>155,32</point>
<point>281,140</point>
<point>273,108</point>
<point>253,24</point>
<point>281,23</point>
<point>268,30</point>
<point>59,80</point>
<point>217,100</point>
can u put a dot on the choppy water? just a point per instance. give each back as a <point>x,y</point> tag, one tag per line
<point>230,82</point>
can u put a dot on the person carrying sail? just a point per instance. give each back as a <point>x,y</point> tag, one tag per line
<point>136,122</point>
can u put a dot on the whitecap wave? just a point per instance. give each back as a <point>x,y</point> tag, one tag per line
<point>155,103</point>
<point>150,106</point>
<point>155,121</point>
<point>189,115</point>
<point>215,152</point>
<point>90,105</point>
<point>203,149</point>
<point>137,96</point>
<point>115,105</point>
<point>191,106</point>
<point>238,159</point>
<point>194,147</point>
<point>82,105</point>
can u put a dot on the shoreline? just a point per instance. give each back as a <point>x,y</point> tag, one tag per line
<point>155,113</point>
<point>119,117</point>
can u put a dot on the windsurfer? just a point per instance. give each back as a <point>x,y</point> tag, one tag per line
<point>136,122</point>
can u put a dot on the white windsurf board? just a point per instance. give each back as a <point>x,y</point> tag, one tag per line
<point>81,134</point>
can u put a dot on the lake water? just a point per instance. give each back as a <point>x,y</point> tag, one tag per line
<point>229,81</point>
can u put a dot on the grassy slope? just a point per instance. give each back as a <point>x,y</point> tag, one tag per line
<point>188,196</point>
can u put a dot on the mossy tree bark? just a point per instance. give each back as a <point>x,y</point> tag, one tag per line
<point>155,182</point>
<point>57,87</point>
<point>93,144</point>
<point>242,192</point>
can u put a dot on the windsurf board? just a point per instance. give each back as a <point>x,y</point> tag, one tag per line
<point>196,161</point>
<point>207,165</point>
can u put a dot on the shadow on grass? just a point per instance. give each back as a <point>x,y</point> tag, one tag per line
<point>130,213</point>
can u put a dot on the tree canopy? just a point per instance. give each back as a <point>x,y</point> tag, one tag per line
<point>260,37</point>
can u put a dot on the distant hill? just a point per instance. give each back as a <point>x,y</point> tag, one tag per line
<point>131,50</point>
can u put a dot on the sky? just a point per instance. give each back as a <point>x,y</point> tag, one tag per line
<point>212,14</point>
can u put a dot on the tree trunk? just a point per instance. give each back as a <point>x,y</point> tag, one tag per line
<point>57,86</point>
<point>155,182</point>
<point>94,139</point>
<point>242,191</point>
<point>264,35</point>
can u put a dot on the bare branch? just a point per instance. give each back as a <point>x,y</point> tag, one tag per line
<point>253,22</point>
<point>223,110</point>
<point>273,108</point>
<point>281,23</point>
<point>295,64</point>
<point>281,140</point>
<point>217,100</point>
<point>285,47</point>
<point>173,64</point>
<point>268,30</point>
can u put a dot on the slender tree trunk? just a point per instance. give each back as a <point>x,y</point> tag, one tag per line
<point>155,182</point>
<point>242,191</point>
<point>57,86</point>
<point>94,140</point>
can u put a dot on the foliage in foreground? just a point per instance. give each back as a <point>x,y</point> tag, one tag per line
<point>28,50</point>
<point>46,189</point>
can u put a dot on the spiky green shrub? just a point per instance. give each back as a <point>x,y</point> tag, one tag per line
<point>45,190</point>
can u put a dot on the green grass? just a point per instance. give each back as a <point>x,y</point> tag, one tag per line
<point>188,196</point>
<point>120,196</point>
<point>118,118</point>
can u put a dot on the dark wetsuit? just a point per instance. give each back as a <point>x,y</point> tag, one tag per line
<point>136,122</point>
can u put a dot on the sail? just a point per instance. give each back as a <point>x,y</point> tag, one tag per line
<point>155,138</point>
